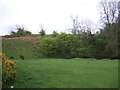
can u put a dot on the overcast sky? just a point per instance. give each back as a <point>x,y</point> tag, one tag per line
<point>53,14</point>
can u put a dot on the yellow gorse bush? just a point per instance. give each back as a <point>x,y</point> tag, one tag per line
<point>8,72</point>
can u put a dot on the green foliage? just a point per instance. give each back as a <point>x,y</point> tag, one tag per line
<point>64,46</point>
<point>109,35</point>
<point>99,48</point>
<point>86,45</point>
<point>48,47</point>
<point>57,47</point>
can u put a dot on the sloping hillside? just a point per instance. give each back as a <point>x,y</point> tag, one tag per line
<point>27,46</point>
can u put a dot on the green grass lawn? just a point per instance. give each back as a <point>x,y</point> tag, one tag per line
<point>66,73</point>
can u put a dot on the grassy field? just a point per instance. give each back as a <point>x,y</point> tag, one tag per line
<point>34,72</point>
<point>66,73</point>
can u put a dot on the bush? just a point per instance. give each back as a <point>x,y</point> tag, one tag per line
<point>66,43</point>
<point>8,72</point>
<point>61,46</point>
<point>48,47</point>
<point>66,46</point>
<point>99,46</point>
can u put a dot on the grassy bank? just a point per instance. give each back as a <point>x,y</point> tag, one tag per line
<point>27,46</point>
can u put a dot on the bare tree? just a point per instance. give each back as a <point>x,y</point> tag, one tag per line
<point>82,26</point>
<point>109,11</point>
<point>118,12</point>
<point>75,29</point>
<point>42,30</point>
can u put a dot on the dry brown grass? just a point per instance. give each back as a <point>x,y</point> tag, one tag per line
<point>32,39</point>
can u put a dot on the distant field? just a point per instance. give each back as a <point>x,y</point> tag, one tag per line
<point>66,73</point>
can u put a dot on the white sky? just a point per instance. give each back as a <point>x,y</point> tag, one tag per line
<point>53,14</point>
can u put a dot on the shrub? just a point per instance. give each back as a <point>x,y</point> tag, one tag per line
<point>48,47</point>
<point>66,43</point>
<point>8,72</point>
<point>61,46</point>
<point>100,48</point>
<point>66,46</point>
